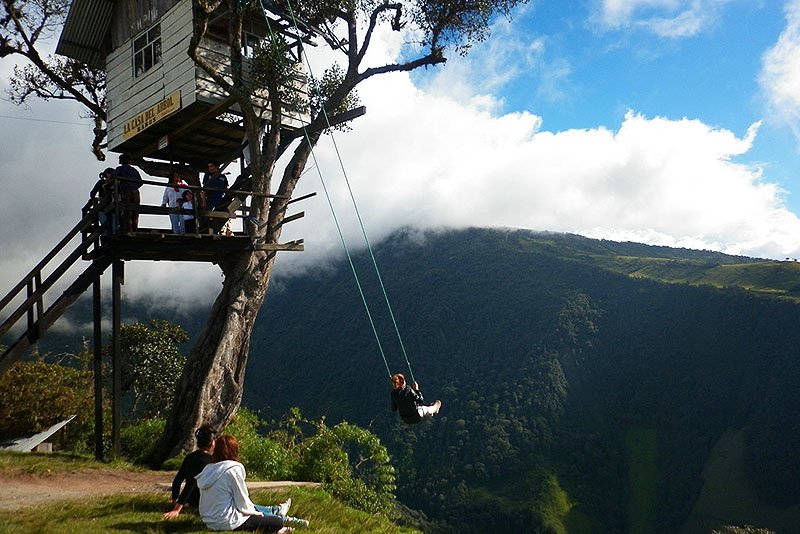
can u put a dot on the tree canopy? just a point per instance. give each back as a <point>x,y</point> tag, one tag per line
<point>25,27</point>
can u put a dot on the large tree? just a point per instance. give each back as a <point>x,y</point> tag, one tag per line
<point>211,387</point>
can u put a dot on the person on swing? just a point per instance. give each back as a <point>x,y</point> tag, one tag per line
<point>408,401</point>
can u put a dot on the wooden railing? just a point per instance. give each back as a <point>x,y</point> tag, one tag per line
<point>35,286</point>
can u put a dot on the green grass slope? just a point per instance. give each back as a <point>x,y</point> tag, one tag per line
<point>142,512</point>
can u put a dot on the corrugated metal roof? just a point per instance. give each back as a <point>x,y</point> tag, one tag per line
<point>86,36</point>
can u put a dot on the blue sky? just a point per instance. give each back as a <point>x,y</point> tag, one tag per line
<point>670,122</point>
<point>710,74</point>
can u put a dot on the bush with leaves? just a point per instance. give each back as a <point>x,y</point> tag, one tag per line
<point>37,394</point>
<point>352,464</point>
<point>151,365</point>
<point>137,439</point>
<point>747,529</point>
<point>350,461</point>
<point>265,458</point>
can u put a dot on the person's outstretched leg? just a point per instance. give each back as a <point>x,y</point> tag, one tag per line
<point>290,521</point>
<point>431,409</point>
<point>279,509</point>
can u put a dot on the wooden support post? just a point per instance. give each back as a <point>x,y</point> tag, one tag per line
<point>117,275</point>
<point>31,291</point>
<point>98,370</point>
<point>39,301</point>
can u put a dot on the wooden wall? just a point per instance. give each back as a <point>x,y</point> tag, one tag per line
<point>131,17</point>
<point>128,96</point>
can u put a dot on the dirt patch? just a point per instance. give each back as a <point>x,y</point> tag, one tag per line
<point>29,490</point>
<point>19,491</point>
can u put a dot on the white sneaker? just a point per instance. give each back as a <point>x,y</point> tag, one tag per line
<point>283,508</point>
<point>290,521</point>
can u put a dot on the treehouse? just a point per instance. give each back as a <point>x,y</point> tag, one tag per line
<point>160,104</point>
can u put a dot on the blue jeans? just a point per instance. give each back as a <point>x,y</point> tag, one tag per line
<point>268,510</point>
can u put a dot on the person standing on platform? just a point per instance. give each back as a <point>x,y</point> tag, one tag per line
<point>189,223</point>
<point>214,179</point>
<point>129,182</point>
<point>173,198</point>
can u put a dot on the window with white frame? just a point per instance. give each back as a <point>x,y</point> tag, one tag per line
<point>147,51</point>
<point>249,44</point>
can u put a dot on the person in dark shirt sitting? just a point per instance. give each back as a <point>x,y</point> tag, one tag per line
<point>192,464</point>
<point>408,401</point>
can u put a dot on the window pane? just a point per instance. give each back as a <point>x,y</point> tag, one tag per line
<point>147,50</point>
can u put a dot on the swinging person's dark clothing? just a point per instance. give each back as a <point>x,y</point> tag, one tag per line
<point>192,464</point>
<point>407,401</point>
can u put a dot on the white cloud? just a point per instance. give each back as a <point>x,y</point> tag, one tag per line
<point>426,160</point>
<point>780,74</point>
<point>665,18</point>
<point>440,157</point>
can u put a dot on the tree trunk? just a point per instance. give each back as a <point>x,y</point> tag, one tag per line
<point>210,389</point>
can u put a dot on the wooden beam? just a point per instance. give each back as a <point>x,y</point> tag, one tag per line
<point>175,134</point>
<point>117,276</point>
<point>291,218</point>
<point>97,367</point>
<point>292,246</point>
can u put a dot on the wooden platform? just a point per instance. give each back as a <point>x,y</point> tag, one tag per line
<point>157,245</point>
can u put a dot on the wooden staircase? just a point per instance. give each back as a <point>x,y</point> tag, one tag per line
<point>37,318</point>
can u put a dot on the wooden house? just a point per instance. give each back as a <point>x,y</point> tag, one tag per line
<point>160,103</point>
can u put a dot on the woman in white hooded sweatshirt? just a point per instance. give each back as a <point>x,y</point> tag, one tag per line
<point>224,500</point>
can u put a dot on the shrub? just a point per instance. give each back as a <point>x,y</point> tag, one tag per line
<point>137,439</point>
<point>264,458</point>
<point>352,464</point>
<point>36,395</point>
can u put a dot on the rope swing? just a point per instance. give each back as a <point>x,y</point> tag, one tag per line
<point>358,216</point>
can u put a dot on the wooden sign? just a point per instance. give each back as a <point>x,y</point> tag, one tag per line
<point>152,115</point>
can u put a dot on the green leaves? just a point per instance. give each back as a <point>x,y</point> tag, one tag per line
<point>353,465</point>
<point>320,90</point>
<point>36,395</point>
<point>151,365</point>
<point>274,68</point>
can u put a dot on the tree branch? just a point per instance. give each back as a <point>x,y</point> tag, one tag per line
<point>199,31</point>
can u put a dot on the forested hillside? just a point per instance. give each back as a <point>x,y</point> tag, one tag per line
<point>584,382</point>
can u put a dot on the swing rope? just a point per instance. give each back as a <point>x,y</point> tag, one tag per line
<point>358,216</point>
<point>357,211</point>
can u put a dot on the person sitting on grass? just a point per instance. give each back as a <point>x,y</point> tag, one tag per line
<point>192,464</point>
<point>224,500</point>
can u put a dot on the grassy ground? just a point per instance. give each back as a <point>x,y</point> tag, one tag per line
<point>26,463</point>
<point>142,512</point>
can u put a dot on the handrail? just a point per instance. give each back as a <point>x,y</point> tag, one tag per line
<point>204,188</point>
<point>49,282</point>
<point>82,225</point>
